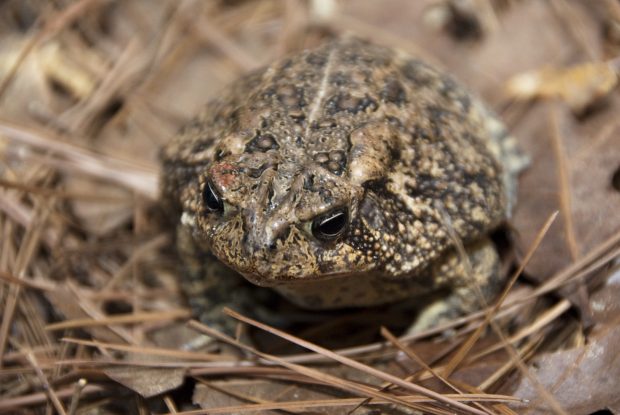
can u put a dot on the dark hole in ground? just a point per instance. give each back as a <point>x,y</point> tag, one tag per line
<point>615,179</point>
<point>463,25</point>
<point>336,329</point>
<point>60,89</point>
<point>117,307</point>
<point>112,109</point>
<point>107,113</point>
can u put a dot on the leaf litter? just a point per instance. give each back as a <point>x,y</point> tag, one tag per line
<point>92,316</point>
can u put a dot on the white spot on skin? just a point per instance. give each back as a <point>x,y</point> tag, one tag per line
<point>396,185</point>
<point>188,220</point>
<point>478,214</point>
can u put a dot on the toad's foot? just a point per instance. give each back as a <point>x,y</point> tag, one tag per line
<point>475,282</point>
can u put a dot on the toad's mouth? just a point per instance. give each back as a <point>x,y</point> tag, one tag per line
<point>295,280</point>
<point>272,269</point>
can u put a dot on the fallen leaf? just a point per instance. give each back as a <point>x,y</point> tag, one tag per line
<point>99,216</point>
<point>573,165</point>
<point>147,381</point>
<point>584,379</point>
<point>580,85</point>
<point>66,303</point>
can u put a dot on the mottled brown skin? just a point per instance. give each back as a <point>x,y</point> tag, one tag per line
<point>413,159</point>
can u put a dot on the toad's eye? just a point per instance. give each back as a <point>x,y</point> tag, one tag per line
<point>212,199</point>
<point>331,225</point>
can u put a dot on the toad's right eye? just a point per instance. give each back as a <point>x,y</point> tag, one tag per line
<point>212,199</point>
<point>330,226</point>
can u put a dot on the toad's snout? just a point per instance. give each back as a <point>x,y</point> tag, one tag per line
<point>263,234</point>
<point>269,216</point>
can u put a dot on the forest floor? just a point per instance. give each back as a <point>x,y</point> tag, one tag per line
<point>92,319</point>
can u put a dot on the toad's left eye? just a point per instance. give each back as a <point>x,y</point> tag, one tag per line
<point>212,199</point>
<point>331,225</point>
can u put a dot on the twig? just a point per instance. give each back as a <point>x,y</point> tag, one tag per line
<point>45,383</point>
<point>467,345</point>
<point>77,394</point>
<point>355,364</point>
<point>334,381</point>
<point>154,351</point>
<point>132,318</point>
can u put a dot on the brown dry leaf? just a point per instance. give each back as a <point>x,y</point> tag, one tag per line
<point>585,379</point>
<point>572,170</point>
<point>580,85</point>
<point>605,304</point>
<point>239,392</point>
<point>100,216</point>
<point>147,381</point>
<point>66,303</point>
<point>484,67</point>
<point>177,335</point>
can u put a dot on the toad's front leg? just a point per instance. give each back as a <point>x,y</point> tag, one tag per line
<point>210,286</point>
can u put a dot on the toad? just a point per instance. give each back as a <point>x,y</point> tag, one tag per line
<point>344,176</point>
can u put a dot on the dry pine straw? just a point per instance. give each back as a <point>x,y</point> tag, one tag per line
<point>42,369</point>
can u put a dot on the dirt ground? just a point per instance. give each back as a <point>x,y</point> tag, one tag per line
<point>92,319</point>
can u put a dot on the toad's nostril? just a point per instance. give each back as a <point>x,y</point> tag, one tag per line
<point>269,237</point>
<point>275,233</point>
<point>283,233</point>
<point>270,195</point>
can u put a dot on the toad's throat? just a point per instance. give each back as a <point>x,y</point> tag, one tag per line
<point>356,290</point>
